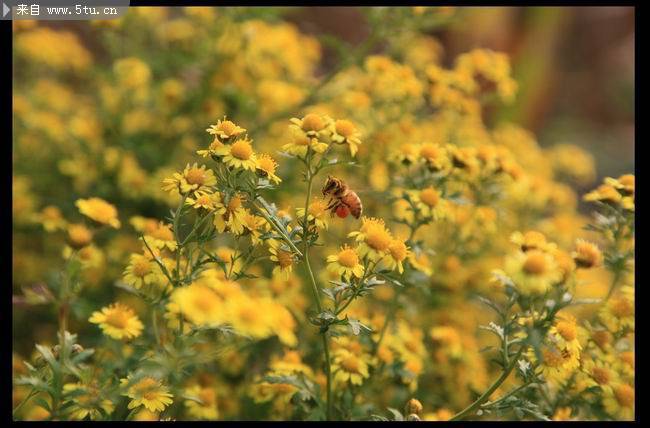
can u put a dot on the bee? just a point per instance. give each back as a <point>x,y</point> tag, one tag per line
<point>343,201</point>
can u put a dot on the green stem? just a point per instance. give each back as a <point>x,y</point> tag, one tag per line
<point>270,221</point>
<point>497,383</point>
<point>32,393</point>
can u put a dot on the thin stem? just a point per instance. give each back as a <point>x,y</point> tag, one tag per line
<point>32,393</point>
<point>277,229</point>
<point>497,383</point>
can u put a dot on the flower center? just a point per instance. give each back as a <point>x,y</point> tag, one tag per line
<point>117,318</point>
<point>601,375</point>
<point>285,259</point>
<point>248,314</point>
<point>241,150</point>
<point>266,164</point>
<point>552,357</point>
<point>141,268</point>
<point>195,176</point>
<point>601,337</point>
<point>622,307</point>
<point>227,127</point>
<point>378,239</point>
<point>145,385</point>
<point>429,151</point>
<point>234,204</point>
<point>348,258</point>
<point>312,122</point>
<point>567,330</point>
<point>397,250</point>
<point>163,233</point>
<point>351,364</point>
<point>345,128</point>
<point>430,197</point>
<point>452,264</point>
<point>624,395</point>
<point>628,358</point>
<point>535,263</point>
<point>208,396</point>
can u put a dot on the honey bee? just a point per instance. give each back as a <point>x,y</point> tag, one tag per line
<point>343,201</point>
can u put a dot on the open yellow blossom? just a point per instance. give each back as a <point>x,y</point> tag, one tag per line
<point>345,263</point>
<point>533,272</point>
<point>162,237</point>
<point>349,367</point>
<point>148,392</point>
<point>79,236</point>
<point>373,237</point>
<point>398,252</point>
<point>199,304</point>
<point>344,132</point>
<point>619,402</point>
<point>192,179</point>
<point>604,193</point>
<point>142,271</point>
<point>99,211</point>
<point>317,214</point>
<point>255,225</point>
<point>118,321</point>
<point>430,203</point>
<point>587,254</point>
<point>618,311</point>
<point>283,257</point>
<point>88,401</point>
<point>51,219</point>
<point>266,167</point>
<point>206,406</point>
<point>531,240</point>
<point>239,154</point>
<point>224,130</point>
<point>435,157</point>
<point>306,134</point>
<point>231,215</point>
<point>624,184</point>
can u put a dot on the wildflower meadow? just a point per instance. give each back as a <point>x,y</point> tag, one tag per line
<point>206,226</point>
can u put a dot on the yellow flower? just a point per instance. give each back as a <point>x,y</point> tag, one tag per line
<point>88,401</point>
<point>206,201</point>
<point>99,210</point>
<point>233,215</point>
<point>624,184</point>
<point>161,237</point>
<point>79,236</point>
<point>206,406</point>
<point>307,133</point>
<point>618,311</point>
<point>148,392</point>
<point>51,219</point>
<point>224,130</point>
<point>562,414</point>
<point>192,179</point>
<point>255,225</point>
<point>118,321</point>
<point>604,193</point>
<point>619,402</point>
<point>266,167</point>
<point>283,258</point>
<point>349,367</point>
<point>344,132</point>
<point>531,240</point>
<point>199,304</point>
<point>435,157</point>
<point>239,154</point>
<point>373,237</point>
<point>345,263</point>
<point>317,214</point>
<point>533,272</point>
<point>429,202</point>
<point>398,252</point>
<point>142,271</point>
<point>587,255</point>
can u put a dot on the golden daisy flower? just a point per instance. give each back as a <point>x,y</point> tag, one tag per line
<point>345,132</point>
<point>533,272</point>
<point>435,157</point>
<point>51,219</point>
<point>531,240</point>
<point>283,257</point>
<point>192,179</point>
<point>142,271</point>
<point>345,263</point>
<point>199,304</point>
<point>255,225</point>
<point>429,202</point>
<point>604,193</point>
<point>266,167</point>
<point>587,255</point>
<point>87,401</point>
<point>224,130</point>
<point>204,402</point>
<point>398,252</point>
<point>306,133</point>
<point>349,367</point>
<point>162,237</point>
<point>619,402</point>
<point>317,214</point>
<point>373,237</point>
<point>618,312</point>
<point>203,200</point>
<point>79,236</point>
<point>239,154</point>
<point>118,321</point>
<point>148,392</point>
<point>624,184</point>
<point>99,211</point>
<point>233,215</point>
